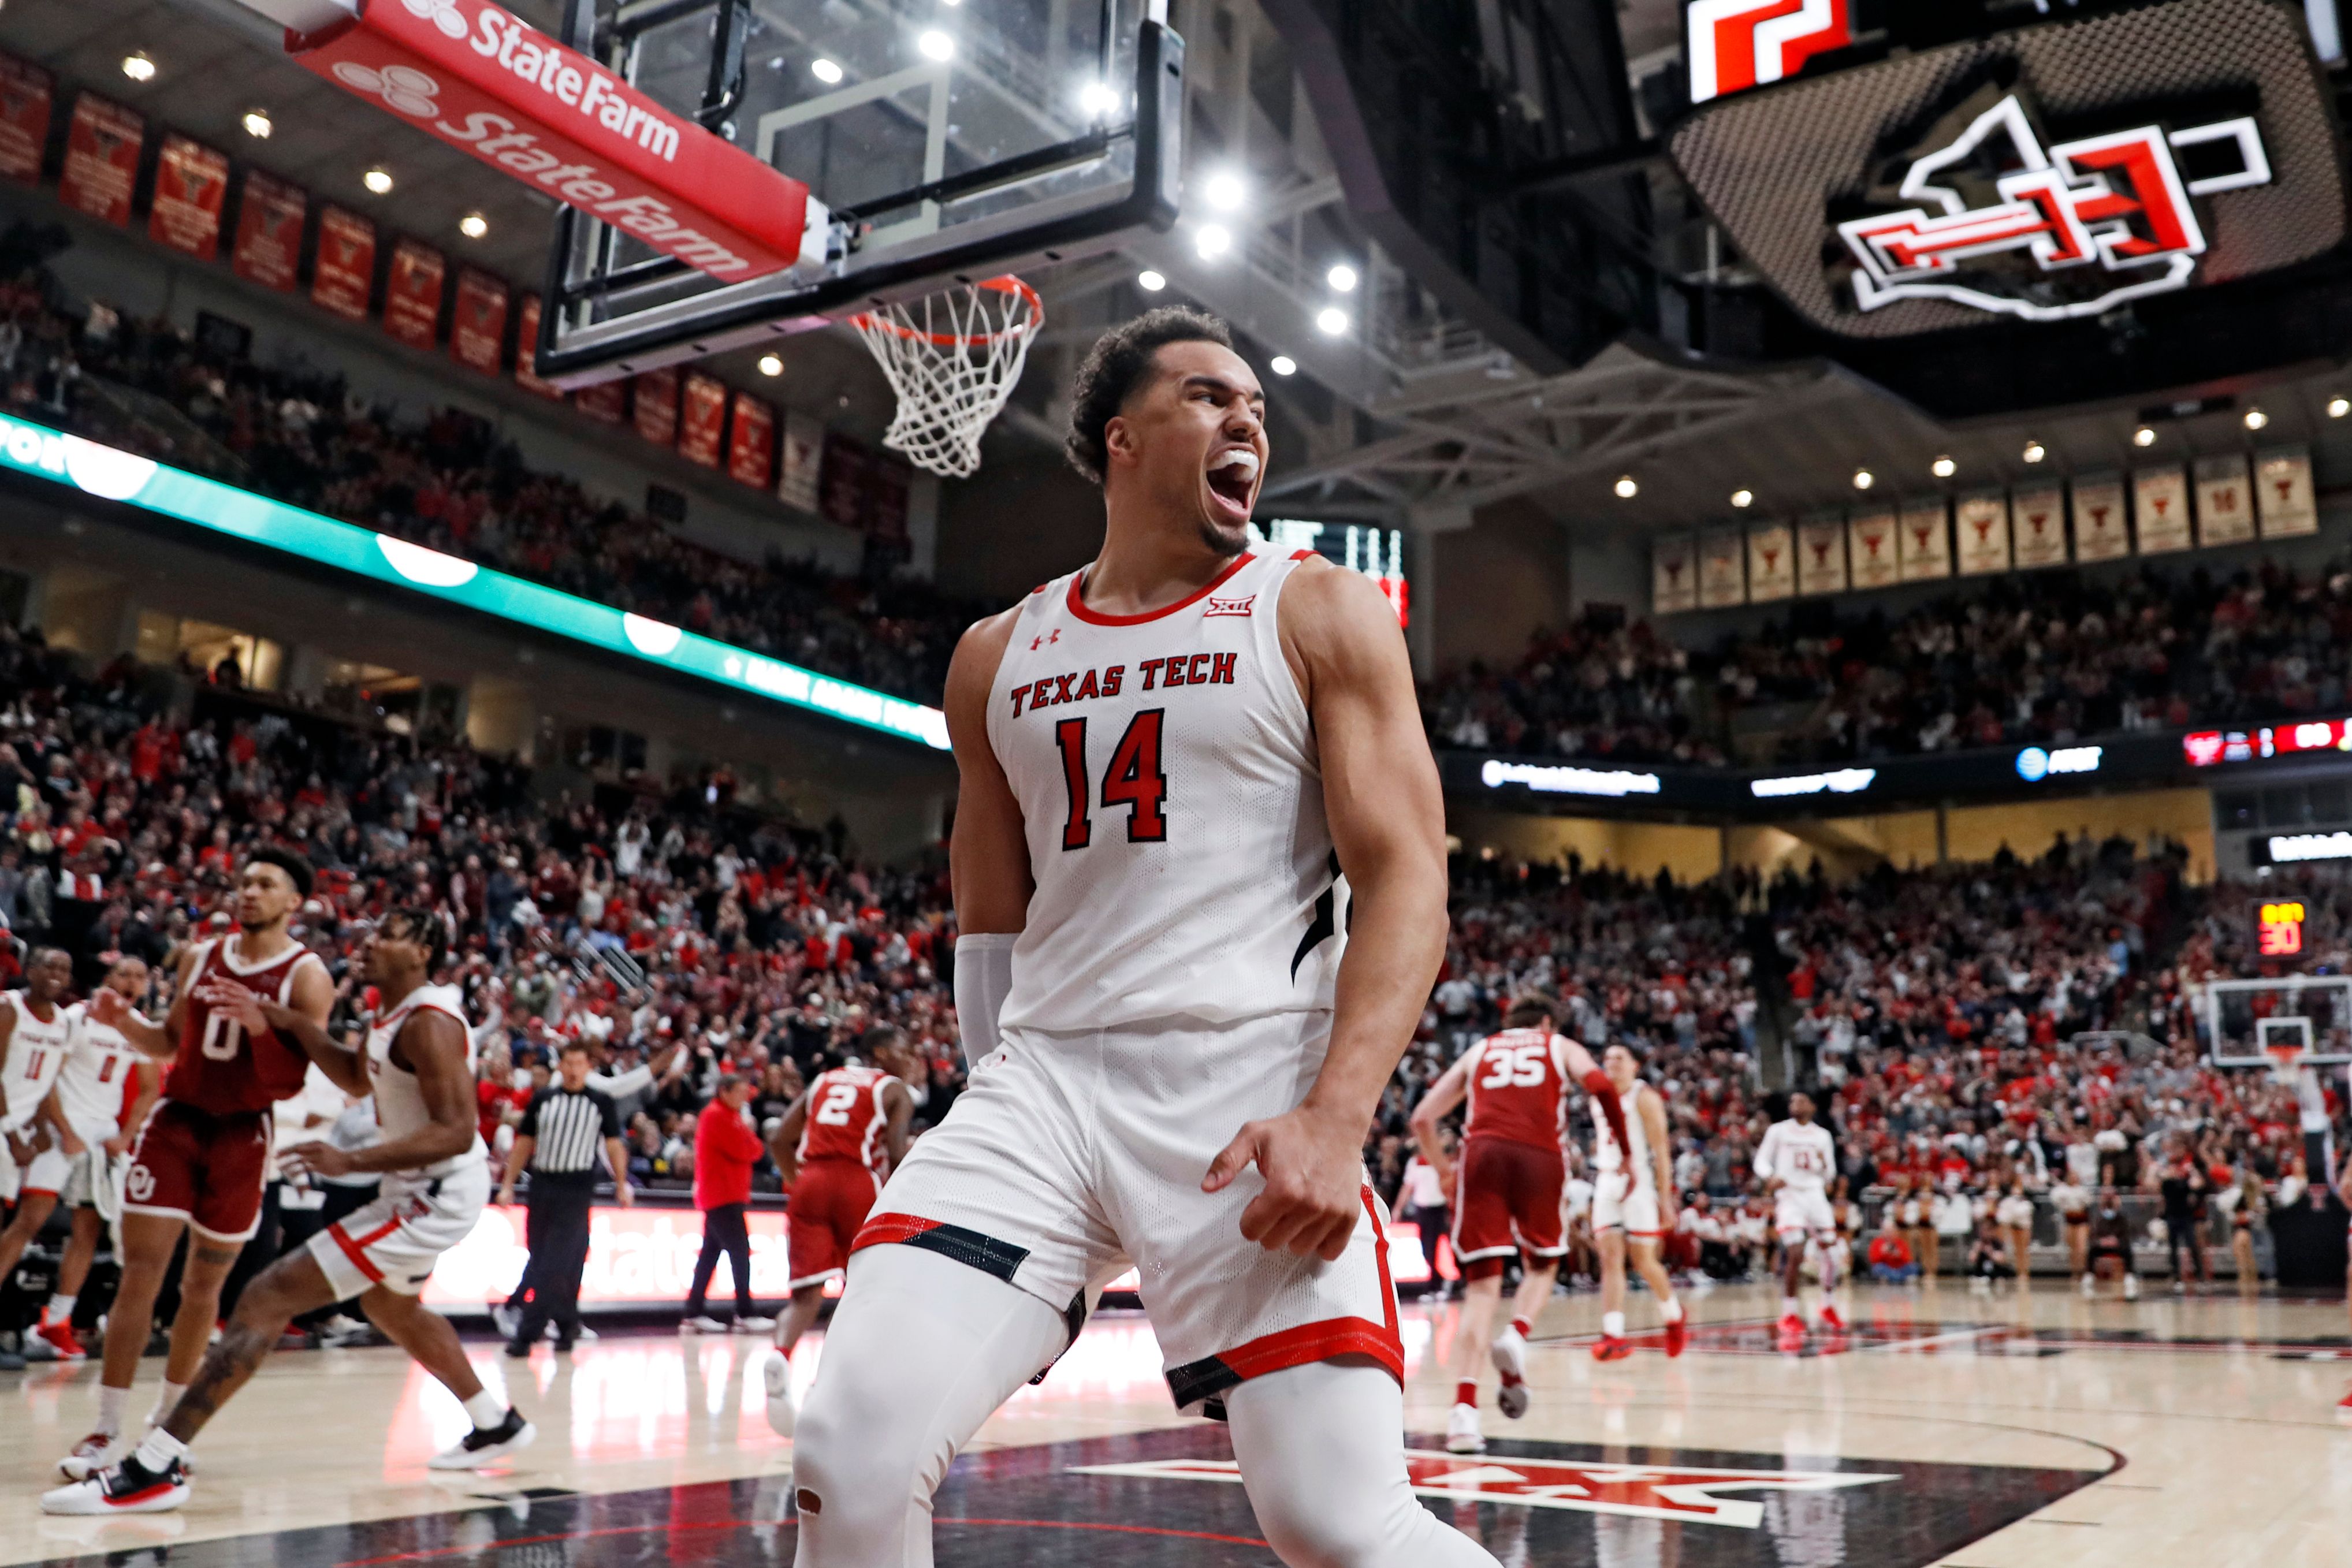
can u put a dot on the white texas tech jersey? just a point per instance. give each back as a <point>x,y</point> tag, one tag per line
<point>400,1108</point>
<point>1799,1153</point>
<point>1173,801</point>
<point>99,1082</point>
<point>36,1054</point>
<point>1607,1156</point>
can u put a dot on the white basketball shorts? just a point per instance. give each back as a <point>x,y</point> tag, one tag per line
<point>395,1241</point>
<point>1635,1212</point>
<point>1070,1155</point>
<point>1801,1208</point>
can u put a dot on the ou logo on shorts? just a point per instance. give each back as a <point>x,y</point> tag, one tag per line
<point>404,87</point>
<point>140,1184</point>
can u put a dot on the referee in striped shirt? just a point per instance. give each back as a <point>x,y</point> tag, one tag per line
<point>558,1141</point>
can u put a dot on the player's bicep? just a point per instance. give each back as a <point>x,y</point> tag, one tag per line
<point>313,992</point>
<point>1380,790</point>
<point>434,1045</point>
<point>988,854</point>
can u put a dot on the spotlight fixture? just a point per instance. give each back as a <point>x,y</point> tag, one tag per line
<point>1331,320</point>
<point>1213,240</point>
<point>1150,282</point>
<point>138,67</point>
<point>1225,192</point>
<point>473,226</point>
<point>258,125</point>
<point>1743,498</point>
<point>2338,407</point>
<point>1341,278</point>
<point>936,45</point>
<point>771,366</point>
<point>1096,99</point>
<point>1943,467</point>
<point>1283,365</point>
<point>1864,478</point>
<point>378,180</point>
<point>2256,419</point>
<point>2143,436</point>
<point>2034,452</point>
<point>826,71</point>
<point>1625,487</point>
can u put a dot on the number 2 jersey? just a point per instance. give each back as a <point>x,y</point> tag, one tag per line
<point>218,1069</point>
<point>1172,796</point>
<point>845,1118</point>
<point>1517,1088</point>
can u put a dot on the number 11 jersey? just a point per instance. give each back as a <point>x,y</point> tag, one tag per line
<point>1172,798</point>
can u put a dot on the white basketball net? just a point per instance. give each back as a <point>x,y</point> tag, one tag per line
<point>952,357</point>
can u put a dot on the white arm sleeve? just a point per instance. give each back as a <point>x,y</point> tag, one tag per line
<point>983,975</point>
<point>1764,1162</point>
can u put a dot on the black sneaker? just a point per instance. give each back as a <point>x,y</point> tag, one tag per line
<point>126,1486</point>
<point>487,1445</point>
<point>519,1349</point>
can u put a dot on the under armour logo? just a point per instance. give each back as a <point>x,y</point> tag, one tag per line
<point>404,87</point>
<point>1042,641</point>
<point>442,14</point>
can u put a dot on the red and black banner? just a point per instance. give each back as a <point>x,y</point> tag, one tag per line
<point>841,480</point>
<point>656,406</point>
<point>270,214</point>
<point>702,419</point>
<point>886,499</point>
<point>412,294</point>
<point>751,443</point>
<point>344,273</point>
<point>477,329</point>
<point>26,93</point>
<point>102,146</point>
<point>606,403</point>
<point>191,184</point>
<point>527,374</point>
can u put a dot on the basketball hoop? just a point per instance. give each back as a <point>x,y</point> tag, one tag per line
<point>2286,1060</point>
<point>952,357</point>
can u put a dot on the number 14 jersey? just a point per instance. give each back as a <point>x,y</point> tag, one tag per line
<point>1172,798</point>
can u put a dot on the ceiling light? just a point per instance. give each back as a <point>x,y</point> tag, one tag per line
<point>2034,452</point>
<point>1743,498</point>
<point>771,366</point>
<point>2256,419</point>
<point>1283,365</point>
<point>1331,319</point>
<point>1625,487</point>
<point>1864,478</point>
<point>2338,407</point>
<point>1096,99</point>
<point>1225,192</point>
<point>1213,241</point>
<point>256,124</point>
<point>2143,436</point>
<point>1341,278</point>
<point>826,71</point>
<point>138,67</point>
<point>1150,281</point>
<point>936,45</point>
<point>378,180</point>
<point>1943,467</point>
<point>473,226</point>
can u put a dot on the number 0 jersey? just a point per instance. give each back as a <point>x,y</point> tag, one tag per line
<point>1518,1088</point>
<point>1172,796</point>
<point>218,1069</point>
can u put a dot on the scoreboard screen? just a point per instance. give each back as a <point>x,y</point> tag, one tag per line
<point>2278,929</point>
<point>1378,553</point>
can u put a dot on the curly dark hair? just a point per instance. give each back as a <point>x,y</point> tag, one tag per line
<point>1117,364</point>
<point>293,862</point>
<point>426,929</point>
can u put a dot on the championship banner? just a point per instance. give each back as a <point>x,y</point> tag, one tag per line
<point>1870,550</point>
<point>656,406</point>
<point>270,214</point>
<point>2100,533</point>
<point>490,85</point>
<point>26,96</point>
<point>2225,501</point>
<point>345,273</point>
<point>2038,525</point>
<point>1981,521</point>
<point>1821,555</point>
<point>841,495</point>
<point>888,484</point>
<point>2160,508</point>
<point>800,459</point>
<point>1722,568</point>
<point>702,419</point>
<point>191,182</point>
<point>606,403</point>
<point>412,294</point>
<point>2282,491</point>
<point>102,145</point>
<point>477,327</point>
<point>751,442</point>
<point>527,374</point>
<point>1924,540</point>
<point>1673,574</point>
<point>1771,563</point>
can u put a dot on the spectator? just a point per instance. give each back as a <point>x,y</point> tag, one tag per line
<point>1890,1262</point>
<point>2111,1248</point>
<point>725,1150</point>
<point>1424,1197</point>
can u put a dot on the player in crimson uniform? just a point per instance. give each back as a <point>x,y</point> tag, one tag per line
<point>834,1147</point>
<point>1509,1196</point>
<point>203,1152</point>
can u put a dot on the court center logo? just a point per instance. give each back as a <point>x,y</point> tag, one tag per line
<point>2002,220</point>
<point>404,88</point>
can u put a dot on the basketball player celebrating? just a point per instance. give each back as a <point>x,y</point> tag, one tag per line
<point>1509,1196</point>
<point>1633,1207</point>
<point>1199,854</point>
<point>103,1095</point>
<point>418,1062</point>
<point>37,1148</point>
<point>833,1146</point>
<point>203,1152</point>
<point>1794,1162</point>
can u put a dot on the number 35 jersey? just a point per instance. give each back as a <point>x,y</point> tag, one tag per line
<point>1172,794</point>
<point>218,1069</point>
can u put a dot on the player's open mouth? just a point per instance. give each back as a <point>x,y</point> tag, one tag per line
<point>1232,479</point>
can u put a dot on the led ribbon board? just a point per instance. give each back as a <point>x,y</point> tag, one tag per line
<point>114,475</point>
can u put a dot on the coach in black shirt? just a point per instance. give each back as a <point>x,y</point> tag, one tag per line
<point>566,1130</point>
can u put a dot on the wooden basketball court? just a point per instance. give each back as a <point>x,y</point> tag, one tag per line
<point>1946,1429</point>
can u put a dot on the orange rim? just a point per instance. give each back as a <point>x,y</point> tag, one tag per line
<point>1007,284</point>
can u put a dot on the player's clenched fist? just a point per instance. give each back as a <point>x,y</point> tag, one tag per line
<point>1314,1171</point>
